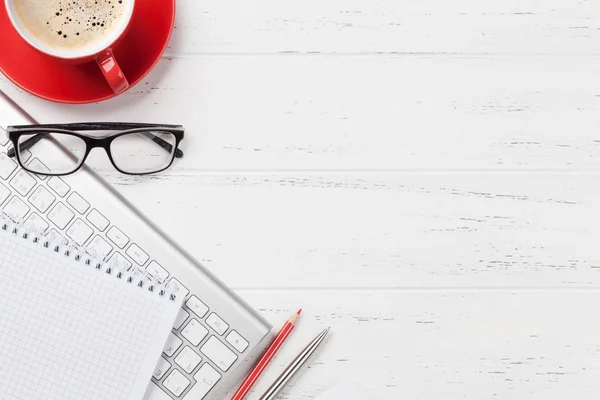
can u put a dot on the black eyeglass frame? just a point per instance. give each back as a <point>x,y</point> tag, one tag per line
<point>16,131</point>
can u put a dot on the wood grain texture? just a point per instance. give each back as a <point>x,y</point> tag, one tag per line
<point>363,112</point>
<point>387,26</point>
<point>430,344</point>
<point>381,230</point>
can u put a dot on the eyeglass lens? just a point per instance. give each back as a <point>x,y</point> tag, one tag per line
<point>56,160</point>
<point>143,152</point>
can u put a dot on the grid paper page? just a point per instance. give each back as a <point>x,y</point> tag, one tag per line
<point>71,332</point>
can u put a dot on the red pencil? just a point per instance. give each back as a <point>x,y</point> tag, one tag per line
<point>266,358</point>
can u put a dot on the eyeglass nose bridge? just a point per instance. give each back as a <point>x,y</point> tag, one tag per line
<point>95,143</point>
<point>102,143</point>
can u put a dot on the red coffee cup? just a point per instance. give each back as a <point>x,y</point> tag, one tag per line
<point>101,51</point>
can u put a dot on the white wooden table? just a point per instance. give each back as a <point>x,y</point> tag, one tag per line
<point>421,175</point>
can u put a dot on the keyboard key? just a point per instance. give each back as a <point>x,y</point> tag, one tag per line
<point>176,383</point>
<point>42,199</point>
<point>16,209</point>
<point>172,345</point>
<point>177,288</point>
<point>78,203</point>
<point>161,369</point>
<point>137,254</point>
<point>59,186</point>
<point>4,193</point>
<point>197,306</point>
<point>7,166</point>
<point>237,341</point>
<point>117,237</point>
<point>98,220</point>
<point>23,182</point>
<point>206,378</point>
<point>60,215</point>
<point>37,165</point>
<point>99,247</point>
<point>181,318</point>
<point>80,232</point>
<point>156,271</point>
<point>194,332</point>
<point>188,359</point>
<point>118,260</point>
<point>36,223</point>
<point>215,322</point>
<point>218,353</point>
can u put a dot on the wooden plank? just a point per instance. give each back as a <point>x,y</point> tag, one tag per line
<point>359,26</point>
<point>406,113</point>
<point>443,344</point>
<point>389,230</point>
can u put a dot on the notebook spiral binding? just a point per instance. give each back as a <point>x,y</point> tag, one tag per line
<point>73,253</point>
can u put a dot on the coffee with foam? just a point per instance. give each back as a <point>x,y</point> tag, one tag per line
<point>71,25</point>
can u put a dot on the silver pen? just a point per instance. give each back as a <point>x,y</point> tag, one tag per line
<point>294,367</point>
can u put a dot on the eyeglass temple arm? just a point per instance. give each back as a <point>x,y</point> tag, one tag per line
<point>29,143</point>
<point>164,144</point>
<point>26,145</point>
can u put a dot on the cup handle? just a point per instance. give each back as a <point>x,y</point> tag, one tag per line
<point>112,72</point>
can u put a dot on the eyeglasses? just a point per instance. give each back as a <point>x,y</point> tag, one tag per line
<point>133,149</point>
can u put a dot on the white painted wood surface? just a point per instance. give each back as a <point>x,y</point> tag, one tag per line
<point>421,175</point>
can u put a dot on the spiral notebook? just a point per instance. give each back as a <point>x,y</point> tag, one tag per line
<point>72,328</point>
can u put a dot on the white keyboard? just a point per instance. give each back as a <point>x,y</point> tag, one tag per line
<point>215,334</point>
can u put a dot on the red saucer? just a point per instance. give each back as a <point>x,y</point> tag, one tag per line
<point>51,79</point>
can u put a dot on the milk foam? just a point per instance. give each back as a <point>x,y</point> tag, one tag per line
<point>71,24</point>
